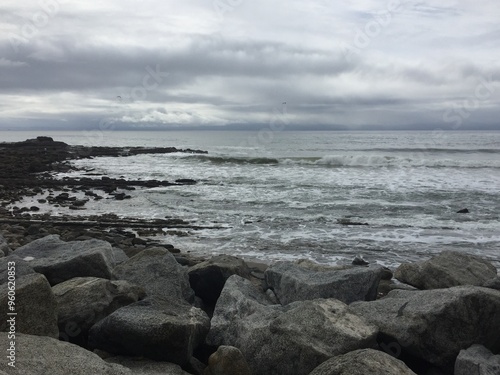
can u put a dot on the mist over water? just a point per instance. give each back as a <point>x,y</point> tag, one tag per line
<point>288,196</point>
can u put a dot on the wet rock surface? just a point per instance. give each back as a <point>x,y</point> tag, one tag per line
<point>28,167</point>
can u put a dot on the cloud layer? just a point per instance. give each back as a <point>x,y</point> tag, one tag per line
<point>156,64</point>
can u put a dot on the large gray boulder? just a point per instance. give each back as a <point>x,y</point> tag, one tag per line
<point>493,283</point>
<point>477,360</point>
<point>60,261</point>
<point>450,268</point>
<point>363,362</point>
<point>305,280</point>
<point>434,325</point>
<point>157,271</point>
<point>153,328</point>
<point>4,246</point>
<point>35,306</point>
<point>22,267</point>
<point>291,339</point>
<point>143,366</point>
<point>119,256</point>
<point>227,360</point>
<point>36,355</point>
<point>83,301</point>
<point>208,278</point>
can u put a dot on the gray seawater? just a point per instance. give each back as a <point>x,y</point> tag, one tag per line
<point>285,195</point>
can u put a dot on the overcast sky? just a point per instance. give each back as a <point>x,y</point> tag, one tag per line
<point>153,64</point>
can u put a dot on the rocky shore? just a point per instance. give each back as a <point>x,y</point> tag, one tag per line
<point>27,169</point>
<point>92,297</point>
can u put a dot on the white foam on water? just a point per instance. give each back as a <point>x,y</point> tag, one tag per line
<point>283,200</point>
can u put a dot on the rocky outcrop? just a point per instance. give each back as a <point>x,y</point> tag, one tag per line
<point>60,261</point>
<point>434,325</point>
<point>34,304</point>
<point>449,268</point>
<point>208,278</point>
<point>227,360</point>
<point>142,366</point>
<point>161,330</point>
<point>363,362</point>
<point>285,339</point>
<point>157,271</point>
<point>36,355</point>
<point>305,280</point>
<point>477,360</point>
<point>84,301</point>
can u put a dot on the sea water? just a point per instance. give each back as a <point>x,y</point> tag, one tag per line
<point>289,195</point>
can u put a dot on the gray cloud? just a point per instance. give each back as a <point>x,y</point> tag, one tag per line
<point>411,65</point>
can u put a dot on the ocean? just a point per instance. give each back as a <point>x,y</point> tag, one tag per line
<point>284,195</point>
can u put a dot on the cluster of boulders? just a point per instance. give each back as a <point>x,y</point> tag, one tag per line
<point>84,307</point>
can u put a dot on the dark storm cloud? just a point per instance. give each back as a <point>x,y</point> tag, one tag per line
<point>173,63</point>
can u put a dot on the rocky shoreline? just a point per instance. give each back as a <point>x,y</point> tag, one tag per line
<point>92,297</point>
<point>27,169</point>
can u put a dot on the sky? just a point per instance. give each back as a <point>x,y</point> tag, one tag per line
<point>160,64</point>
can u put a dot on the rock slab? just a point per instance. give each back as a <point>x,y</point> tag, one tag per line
<point>35,305</point>
<point>363,362</point>
<point>83,301</point>
<point>4,246</point>
<point>208,278</point>
<point>434,325</point>
<point>60,261</point>
<point>291,339</point>
<point>493,283</point>
<point>36,355</point>
<point>142,366</point>
<point>448,269</point>
<point>227,360</point>
<point>157,271</point>
<point>160,330</point>
<point>477,360</point>
<point>305,280</point>
<point>22,267</point>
